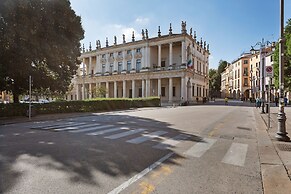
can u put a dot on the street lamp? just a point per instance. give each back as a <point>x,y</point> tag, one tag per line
<point>281,133</point>
<point>262,45</point>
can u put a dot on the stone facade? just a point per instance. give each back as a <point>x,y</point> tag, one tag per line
<point>173,66</point>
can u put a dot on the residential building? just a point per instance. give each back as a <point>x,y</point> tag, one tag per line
<point>244,75</point>
<point>172,66</point>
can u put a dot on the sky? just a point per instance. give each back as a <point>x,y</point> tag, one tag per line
<point>230,27</point>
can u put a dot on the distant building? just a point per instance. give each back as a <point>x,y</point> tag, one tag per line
<point>241,79</point>
<point>173,66</point>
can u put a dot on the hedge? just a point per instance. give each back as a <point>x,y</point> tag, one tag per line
<point>93,105</point>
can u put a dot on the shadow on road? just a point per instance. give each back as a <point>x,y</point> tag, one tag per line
<point>77,158</point>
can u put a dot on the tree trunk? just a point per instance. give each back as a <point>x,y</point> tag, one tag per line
<point>15,96</point>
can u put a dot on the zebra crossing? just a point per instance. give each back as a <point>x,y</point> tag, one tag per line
<point>235,155</point>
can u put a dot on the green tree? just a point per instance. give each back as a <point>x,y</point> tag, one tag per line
<point>40,38</point>
<point>287,65</point>
<point>215,78</point>
<point>100,92</point>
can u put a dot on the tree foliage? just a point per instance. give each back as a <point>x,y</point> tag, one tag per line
<point>215,78</point>
<point>287,54</point>
<point>40,38</point>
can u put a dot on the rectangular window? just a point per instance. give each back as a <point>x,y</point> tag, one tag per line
<point>128,65</point>
<point>111,55</point>
<point>140,92</point>
<point>128,52</point>
<point>138,64</point>
<point>103,56</point>
<point>245,61</point>
<point>174,91</point>
<point>119,53</point>
<point>119,67</point>
<point>103,68</point>
<point>163,91</point>
<point>271,58</point>
<point>197,92</point>
<point>245,81</point>
<point>130,93</point>
<point>111,68</point>
<point>138,50</point>
<point>193,90</point>
<point>238,73</point>
<point>163,63</point>
<point>238,83</point>
<point>245,71</point>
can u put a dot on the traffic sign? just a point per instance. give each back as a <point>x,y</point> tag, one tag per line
<point>269,71</point>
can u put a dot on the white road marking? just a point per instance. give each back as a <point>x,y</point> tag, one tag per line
<point>146,137</point>
<point>61,125</point>
<point>119,135</point>
<point>171,142</point>
<point>74,127</point>
<point>236,154</point>
<point>140,175</point>
<point>91,128</point>
<point>107,131</point>
<point>200,148</point>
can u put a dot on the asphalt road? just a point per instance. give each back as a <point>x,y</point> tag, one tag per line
<point>192,149</point>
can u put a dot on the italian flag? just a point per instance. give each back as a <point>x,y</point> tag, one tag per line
<point>189,63</point>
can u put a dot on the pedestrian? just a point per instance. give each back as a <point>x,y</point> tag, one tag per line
<point>276,100</point>
<point>257,102</point>
<point>226,101</point>
<point>285,101</point>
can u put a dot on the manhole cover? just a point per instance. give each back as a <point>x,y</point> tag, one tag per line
<point>284,147</point>
<point>245,128</point>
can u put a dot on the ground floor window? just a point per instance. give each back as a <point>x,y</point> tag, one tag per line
<point>139,92</point>
<point>193,90</point>
<point>163,91</point>
<point>174,91</point>
<point>130,93</point>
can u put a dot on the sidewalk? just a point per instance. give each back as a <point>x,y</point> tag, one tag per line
<point>275,156</point>
<point>44,117</point>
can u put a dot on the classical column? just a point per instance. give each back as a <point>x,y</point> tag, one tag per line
<point>115,65</point>
<point>133,65</point>
<point>142,88</point>
<point>171,54</point>
<point>170,89</point>
<point>115,89</point>
<point>90,66</point>
<point>90,91</point>
<point>148,89</point>
<point>159,87</point>
<point>123,61</point>
<point>159,55</point>
<point>107,89</point>
<point>78,89</point>
<point>124,88</point>
<point>97,64</point>
<point>148,56</point>
<point>183,52</point>
<point>133,88</point>
<point>183,88</point>
<point>143,58</point>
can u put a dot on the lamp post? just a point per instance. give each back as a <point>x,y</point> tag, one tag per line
<point>262,45</point>
<point>281,133</point>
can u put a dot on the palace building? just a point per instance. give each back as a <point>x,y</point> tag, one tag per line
<point>172,66</point>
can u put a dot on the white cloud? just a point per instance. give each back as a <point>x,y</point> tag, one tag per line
<point>142,20</point>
